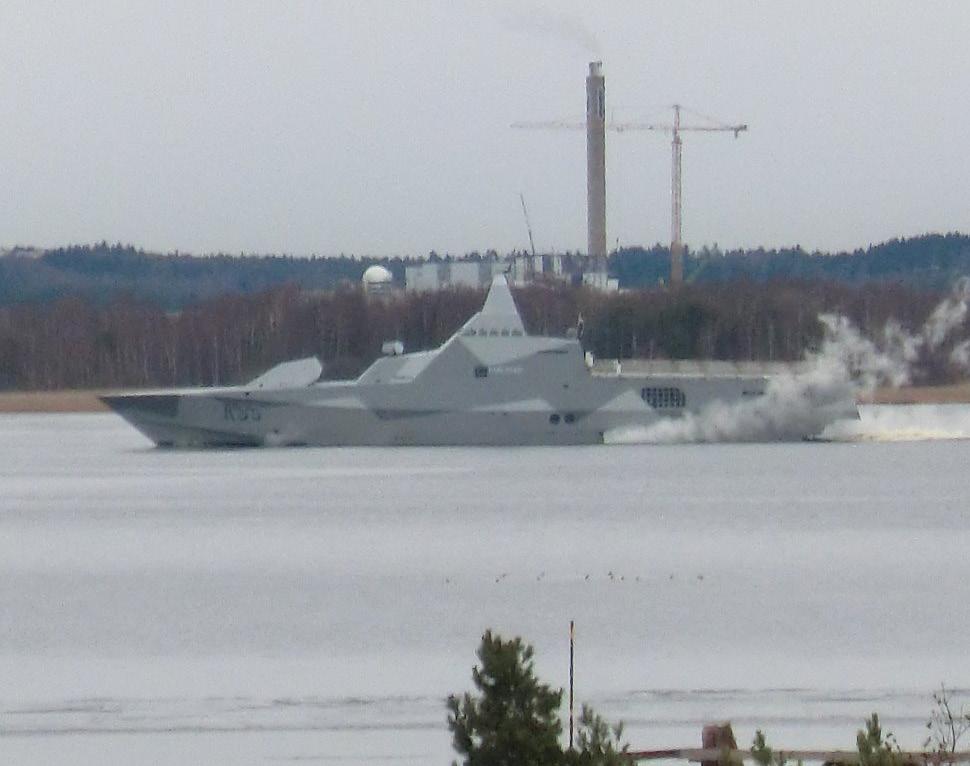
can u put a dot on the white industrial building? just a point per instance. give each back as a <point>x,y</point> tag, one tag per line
<point>433,275</point>
<point>520,268</point>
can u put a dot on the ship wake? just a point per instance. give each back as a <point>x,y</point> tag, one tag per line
<point>847,368</point>
<point>904,423</point>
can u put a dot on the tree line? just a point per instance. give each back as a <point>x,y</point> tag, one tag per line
<point>933,261</point>
<point>104,272</point>
<point>78,342</point>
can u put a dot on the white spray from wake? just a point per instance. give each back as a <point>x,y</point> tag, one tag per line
<point>825,390</point>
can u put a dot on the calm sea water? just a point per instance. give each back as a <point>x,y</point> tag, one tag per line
<point>315,605</point>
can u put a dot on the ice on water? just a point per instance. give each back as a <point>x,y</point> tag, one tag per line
<point>312,605</point>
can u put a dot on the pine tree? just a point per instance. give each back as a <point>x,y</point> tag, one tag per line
<point>513,720</point>
<point>874,748</point>
<point>599,744</point>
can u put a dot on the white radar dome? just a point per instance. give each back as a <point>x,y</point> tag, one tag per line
<point>377,275</point>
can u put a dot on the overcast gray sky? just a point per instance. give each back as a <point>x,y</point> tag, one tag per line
<point>383,127</point>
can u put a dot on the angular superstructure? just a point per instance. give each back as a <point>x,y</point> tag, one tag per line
<point>491,383</point>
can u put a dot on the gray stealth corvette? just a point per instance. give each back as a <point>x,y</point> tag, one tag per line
<point>489,384</point>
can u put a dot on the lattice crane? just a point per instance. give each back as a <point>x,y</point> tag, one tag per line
<point>675,128</point>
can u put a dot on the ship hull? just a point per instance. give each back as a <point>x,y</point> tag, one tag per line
<point>491,384</point>
<point>244,421</point>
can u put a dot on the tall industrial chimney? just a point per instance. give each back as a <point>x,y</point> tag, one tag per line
<point>596,163</point>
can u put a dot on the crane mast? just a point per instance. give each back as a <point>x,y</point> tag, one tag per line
<point>675,128</point>
<point>528,224</point>
<point>677,174</point>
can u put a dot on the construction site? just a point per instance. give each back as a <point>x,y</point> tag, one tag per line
<point>590,268</point>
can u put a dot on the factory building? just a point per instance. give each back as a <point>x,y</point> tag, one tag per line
<point>590,270</point>
<point>433,275</point>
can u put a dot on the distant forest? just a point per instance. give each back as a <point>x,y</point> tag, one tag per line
<point>173,281</point>
<point>78,343</point>
<point>111,316</point>
<point>933,261</point>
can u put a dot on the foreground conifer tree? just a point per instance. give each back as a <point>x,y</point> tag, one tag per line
<point>513,719</point>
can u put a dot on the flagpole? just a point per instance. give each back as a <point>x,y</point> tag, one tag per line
<point>572,637</point>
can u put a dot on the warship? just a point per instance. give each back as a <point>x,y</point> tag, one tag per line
<point>491,383</point>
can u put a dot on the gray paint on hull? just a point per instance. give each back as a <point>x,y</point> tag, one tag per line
<point>489,384</point>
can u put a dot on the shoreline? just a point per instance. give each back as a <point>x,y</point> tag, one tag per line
<point>80,400</point>
<point>74,400</point>
<point>954,393</point>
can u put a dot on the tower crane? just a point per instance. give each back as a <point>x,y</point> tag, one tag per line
<point>675,128</point>
<point>528,224</point>
<point>676,175</point>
